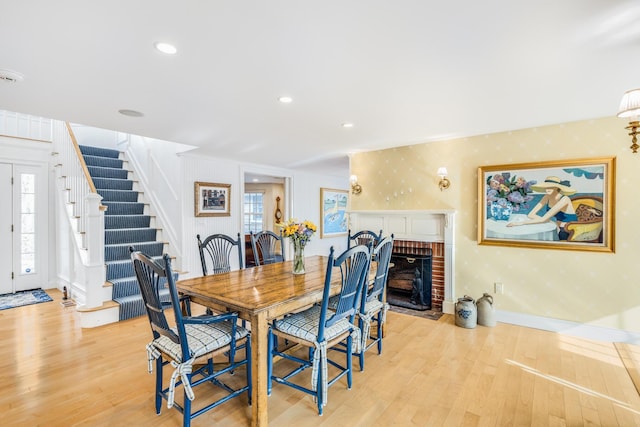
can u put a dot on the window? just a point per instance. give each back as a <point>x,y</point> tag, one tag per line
<point>253,212</point>
<point>27,223</point>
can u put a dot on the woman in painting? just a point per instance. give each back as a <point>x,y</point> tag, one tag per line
<point>557,203</point>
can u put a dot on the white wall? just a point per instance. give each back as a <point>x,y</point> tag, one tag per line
<point>304,203</point>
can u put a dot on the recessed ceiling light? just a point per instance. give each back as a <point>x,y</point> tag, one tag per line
<point>10,76</point>
<point>285,99</point>
<point>347,125</point>
<point>131,113</point>
<point>167,48</point>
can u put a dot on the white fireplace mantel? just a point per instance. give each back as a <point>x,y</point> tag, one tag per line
<point>437,225</point>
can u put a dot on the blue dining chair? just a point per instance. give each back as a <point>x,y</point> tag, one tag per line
<point>215,253</point>
<point>267,246</point>
<point>320,329</point>
<point>373,306</point>
<point>363,237</point>
<point>189,346</point>
<point>215,256</point>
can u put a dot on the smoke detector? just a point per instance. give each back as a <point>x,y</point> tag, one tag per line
<point>10,76</point>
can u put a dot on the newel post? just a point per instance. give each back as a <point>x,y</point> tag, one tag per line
<point>95,273</point>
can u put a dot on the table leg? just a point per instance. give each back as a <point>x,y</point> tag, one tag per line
<point>259,350</point>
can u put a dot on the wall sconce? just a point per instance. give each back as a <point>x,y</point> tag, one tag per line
<point>355,187</point>
<point>444,182</point>
<point>630,107</point>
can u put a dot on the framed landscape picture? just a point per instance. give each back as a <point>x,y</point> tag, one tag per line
<point>568,204</point>
<point>333,212</point>
<point>212,199</point>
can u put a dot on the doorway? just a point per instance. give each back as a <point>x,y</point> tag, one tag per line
<point>23,224</point>
<point>265,204</point>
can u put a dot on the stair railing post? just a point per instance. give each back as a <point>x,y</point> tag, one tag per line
<point>94,228</point>
<point>94,242</point>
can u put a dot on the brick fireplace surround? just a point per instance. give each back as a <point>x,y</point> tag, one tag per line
<point>421,229</point>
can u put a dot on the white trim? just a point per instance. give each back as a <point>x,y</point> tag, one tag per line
<point>569,328</point>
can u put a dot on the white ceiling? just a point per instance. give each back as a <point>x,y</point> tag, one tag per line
<point>403,72</point>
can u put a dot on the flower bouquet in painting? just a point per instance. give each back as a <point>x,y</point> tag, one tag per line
<point>507,194</point>
<point>300,233</point>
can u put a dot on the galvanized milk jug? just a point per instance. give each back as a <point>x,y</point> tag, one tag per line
<point>486,311</point>
<point>466,312</point>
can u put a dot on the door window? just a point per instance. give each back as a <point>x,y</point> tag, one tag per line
<point>27,223</point>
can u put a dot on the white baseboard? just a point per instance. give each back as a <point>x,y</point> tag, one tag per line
<point>569,328</point>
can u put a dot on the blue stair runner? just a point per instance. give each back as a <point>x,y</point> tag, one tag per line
<point>125,225</point>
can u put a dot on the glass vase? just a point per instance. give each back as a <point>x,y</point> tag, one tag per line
<point>298,258</point>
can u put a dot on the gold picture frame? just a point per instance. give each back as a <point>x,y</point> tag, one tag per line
<point>333,212</point>
<point>212,199</point>
<point>565,204</point>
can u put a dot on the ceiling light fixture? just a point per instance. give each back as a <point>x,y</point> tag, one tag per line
<point>10,76</point>
<point>630,108</point>
<point>167,48</point>
<point>347,125</point>
<point>285,99</point>
<point>131,113</point>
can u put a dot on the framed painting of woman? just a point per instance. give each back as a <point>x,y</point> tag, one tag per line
<point>567,204</point>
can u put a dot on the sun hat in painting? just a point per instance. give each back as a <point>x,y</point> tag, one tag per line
<point>554,182</point>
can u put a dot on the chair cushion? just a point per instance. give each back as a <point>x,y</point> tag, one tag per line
<point>305,325</point>
<point>373,306</point>
<point>202,339</point>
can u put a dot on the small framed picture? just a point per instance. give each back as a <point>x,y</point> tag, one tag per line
<point>212,199</point>
<point>333,212</point>
<point>567,204</point>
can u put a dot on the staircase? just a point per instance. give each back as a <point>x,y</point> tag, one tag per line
<point>125,224</point>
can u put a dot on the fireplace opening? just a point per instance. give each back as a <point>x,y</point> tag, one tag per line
<point>413,280</point>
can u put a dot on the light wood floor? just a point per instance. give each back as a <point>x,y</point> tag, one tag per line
<point>53,373</point>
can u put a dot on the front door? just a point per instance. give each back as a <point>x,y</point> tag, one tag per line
<point>23,227</point>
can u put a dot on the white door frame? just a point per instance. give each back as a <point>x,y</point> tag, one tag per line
<point>32,275</point>
<point>25,156</point>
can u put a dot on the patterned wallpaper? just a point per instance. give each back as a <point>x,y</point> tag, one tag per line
<point>594,288</point>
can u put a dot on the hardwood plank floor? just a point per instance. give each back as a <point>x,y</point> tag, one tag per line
<point>431,373</point>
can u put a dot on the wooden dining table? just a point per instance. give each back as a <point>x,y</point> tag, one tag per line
<point>258,295</point>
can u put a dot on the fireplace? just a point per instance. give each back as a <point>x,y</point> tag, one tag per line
<point>416,279</point>
<point>409,281</point>
<point>417,234</point>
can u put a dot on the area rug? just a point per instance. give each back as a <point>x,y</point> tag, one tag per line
<point>34,296</point>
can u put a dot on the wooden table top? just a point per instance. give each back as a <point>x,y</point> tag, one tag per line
<point>260,288</point>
